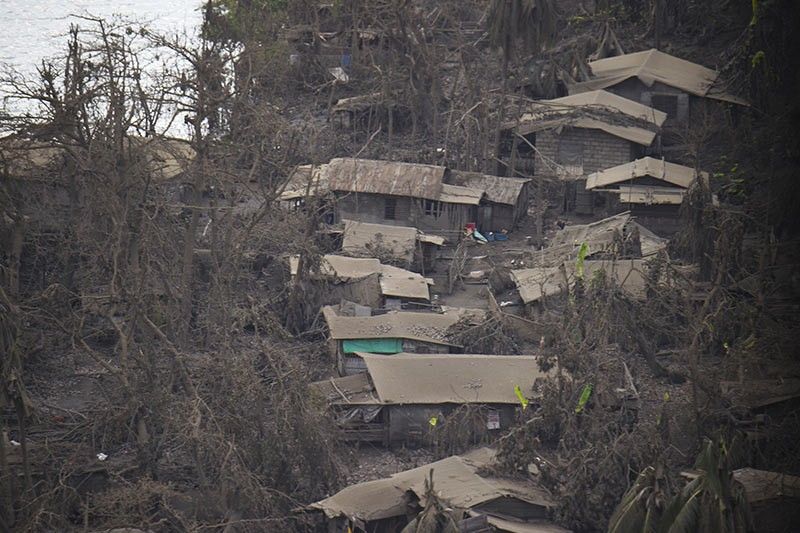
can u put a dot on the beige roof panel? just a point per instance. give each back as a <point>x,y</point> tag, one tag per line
<point>596,110</point>
<point>394,281</point>
<point>455,478</point>
<point>671,173</point>
<point>361,238</point>
<point>437,379</point>
<point>652,66</point>
<point>650,195</point>
<point>628,274</point>
<point>384,177</point>
<point>535,283</point>
<point>403,283</point>
<point>356,389</point>
<point>425,327</point>
<point>454,194</point>
<point>498,190</point>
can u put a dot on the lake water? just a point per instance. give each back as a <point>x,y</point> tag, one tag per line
<point>33,29</point>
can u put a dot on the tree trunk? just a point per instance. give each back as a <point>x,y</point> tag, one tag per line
<point>501,115</point>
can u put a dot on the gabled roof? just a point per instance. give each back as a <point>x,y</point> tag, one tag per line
<point>384,177</point>
<point>651,66</point>
<point>600,110</point>
<point>670,173</point>
<point>498,189</point>
<point>436,379</point>
<point>455,479</point>
<point>394,281</point>
<point>424,327</point>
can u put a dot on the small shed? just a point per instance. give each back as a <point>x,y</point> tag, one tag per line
<point>651,189</point>
<point>654,78</point>
<point>367,112</point>
<point>398,396</point>
<point>390,333</point>
<point>506,200</point>
<point>401,194</point>
<point>388,504</point>
<point>365,281</point>
<point>396,244</point>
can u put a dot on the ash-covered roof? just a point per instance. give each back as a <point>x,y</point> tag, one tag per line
<point>498,189</point>
<point>384,177</point>
<point>600,110</point>
<point>651,66</point>
<point>456,481</point>
<point>452,378</point>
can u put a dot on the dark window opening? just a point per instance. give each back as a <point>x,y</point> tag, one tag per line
<point>668,103</point>
<point>433,208</point>
<point>298,203</point>
<point>389,208</point>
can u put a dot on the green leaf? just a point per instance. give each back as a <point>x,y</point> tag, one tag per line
<point>585,394</point>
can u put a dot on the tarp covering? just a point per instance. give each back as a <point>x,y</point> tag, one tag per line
<point>372,345</point>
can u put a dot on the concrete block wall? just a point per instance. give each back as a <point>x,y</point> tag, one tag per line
<point>601,150</point>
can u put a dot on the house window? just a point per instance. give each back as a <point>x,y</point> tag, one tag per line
<point>433,208</point>
<point>668,103</point>
<point>389,208</point>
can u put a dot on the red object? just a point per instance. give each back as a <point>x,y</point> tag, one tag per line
<point>471,226</point>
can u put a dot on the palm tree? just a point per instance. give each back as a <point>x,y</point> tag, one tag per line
<point>529,23</point>
<point>710,502</point>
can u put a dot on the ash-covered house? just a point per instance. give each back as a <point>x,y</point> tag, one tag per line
<point>365,281</point>
<point>398,397</point>
<point>505,203</point>
<point>401,194</point>
<point>483,502</point>
<point>389,333</point>
<point>575,135</point>
<point>681,89</point>
<point>395,244</point>
<point>651,189</point>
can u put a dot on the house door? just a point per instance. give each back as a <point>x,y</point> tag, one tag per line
<point>485,218</point>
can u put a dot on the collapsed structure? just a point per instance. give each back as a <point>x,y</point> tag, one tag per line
<point>516,506</point>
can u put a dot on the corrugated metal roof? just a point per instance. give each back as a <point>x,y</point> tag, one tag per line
<point>425,327</point>
<point>361,238</point>
<point>673,173</point>
<point>652,66</point>
<point>763,485</point>
<point>385,177</point>
<point>574,111</point>
<point>456,480</point>
<point>437,379</point>
<point>498,189</point>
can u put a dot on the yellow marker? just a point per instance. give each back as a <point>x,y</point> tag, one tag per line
<point>433,421</point>
<point>522,399</point>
